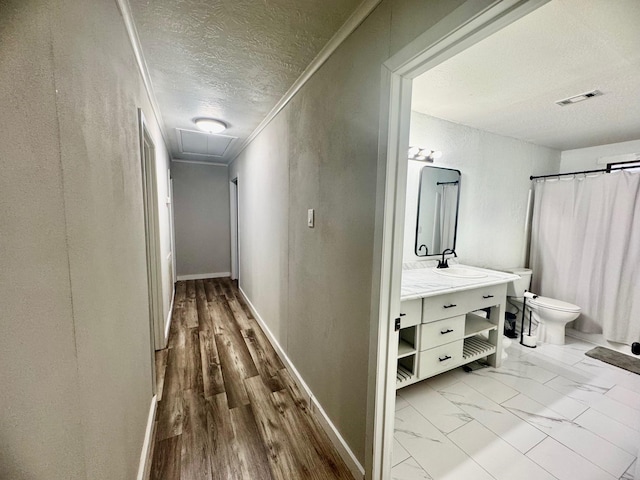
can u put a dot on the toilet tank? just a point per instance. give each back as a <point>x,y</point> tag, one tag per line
<point>517,288</point>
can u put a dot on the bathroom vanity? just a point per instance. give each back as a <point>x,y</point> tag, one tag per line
<point>449,317</point>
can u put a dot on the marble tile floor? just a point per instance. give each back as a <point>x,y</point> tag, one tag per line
<point>547,413</point>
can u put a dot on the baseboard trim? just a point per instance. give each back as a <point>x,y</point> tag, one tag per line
<point>323,419</point>
<point>145,460</point>
<point>202,276</point>
<point>167,324</point>
<point>332,432</point>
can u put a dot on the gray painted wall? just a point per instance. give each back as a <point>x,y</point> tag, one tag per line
<point>40,431</point>
<point>75,339</point>
<point>263,204</point>
<point>494,186</point>
<point>201,206</point>
<point>313,287</point>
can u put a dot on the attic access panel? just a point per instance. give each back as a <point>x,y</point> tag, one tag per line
<point>199,143</point>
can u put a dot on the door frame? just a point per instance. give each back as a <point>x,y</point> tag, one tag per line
<point>234,228</point>
<point>473,21</point>
<point>152,234</point>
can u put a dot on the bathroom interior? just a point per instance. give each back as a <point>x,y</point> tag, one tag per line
<point>493,382</point>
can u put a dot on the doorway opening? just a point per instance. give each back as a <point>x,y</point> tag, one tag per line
<point>471,22</point>
<point>235,243</point>
<point>152,240</point>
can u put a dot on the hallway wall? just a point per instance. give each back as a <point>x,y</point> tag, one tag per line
<point>40,431</point>
<point>313,287</point>
<point>263,230</point>
<point>75,344</point>
<point>202,223</point>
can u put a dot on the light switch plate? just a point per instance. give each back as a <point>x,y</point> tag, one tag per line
<point>310,218</point>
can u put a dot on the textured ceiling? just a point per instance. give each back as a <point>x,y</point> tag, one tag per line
<point>508,83</point>
<point>229,59</point>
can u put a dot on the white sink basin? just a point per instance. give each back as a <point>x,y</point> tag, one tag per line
<point>459,272</point>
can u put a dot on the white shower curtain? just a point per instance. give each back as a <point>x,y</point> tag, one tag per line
<point>448,214</point>
<point>585,249</point>
<point>437,235</point>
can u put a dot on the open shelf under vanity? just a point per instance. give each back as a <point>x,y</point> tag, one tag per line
<point>439,333</point>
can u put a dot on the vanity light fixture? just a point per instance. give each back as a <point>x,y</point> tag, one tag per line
<point>434,155</point>
<point>423,154</point>
<point>210,125</point>
<point>413,151</point>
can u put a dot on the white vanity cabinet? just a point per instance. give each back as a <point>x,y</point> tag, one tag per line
<point>449,334</point>
<point>410,320</point>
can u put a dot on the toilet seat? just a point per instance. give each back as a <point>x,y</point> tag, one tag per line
<point>553,304</point>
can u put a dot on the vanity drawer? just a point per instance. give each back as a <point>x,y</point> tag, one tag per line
<point>410,312</point>
<point>444,306</point>
<point>458,303</point>
<point>440,359</point>
<point>484,297</point>
<point>443,331</point>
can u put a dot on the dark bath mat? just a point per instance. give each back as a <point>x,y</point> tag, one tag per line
<point>615,358</point>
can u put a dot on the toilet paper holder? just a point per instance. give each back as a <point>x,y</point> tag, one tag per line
<point>531,340</point>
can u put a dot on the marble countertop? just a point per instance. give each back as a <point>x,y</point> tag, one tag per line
<point>422,280</point>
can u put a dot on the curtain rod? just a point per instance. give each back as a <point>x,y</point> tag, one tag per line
<point>607,170</point>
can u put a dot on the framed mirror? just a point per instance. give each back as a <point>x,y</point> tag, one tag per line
<point>438,200</point>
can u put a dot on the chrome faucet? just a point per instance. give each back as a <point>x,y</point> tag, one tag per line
<point>443,263</point>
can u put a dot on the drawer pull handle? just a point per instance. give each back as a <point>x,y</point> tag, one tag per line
<point>442,359</point>
<point>403,314</point>
<point>487,296</point>
<point>448,330</point>
<point>451,305</point>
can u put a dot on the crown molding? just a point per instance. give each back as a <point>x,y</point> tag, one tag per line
<point>199,162</point>
<point>134,39</point>
<point>353,22</point>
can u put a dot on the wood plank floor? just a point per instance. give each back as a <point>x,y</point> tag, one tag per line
<point>228,409</point>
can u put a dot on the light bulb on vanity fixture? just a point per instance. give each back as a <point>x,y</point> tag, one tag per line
<point>435,154</point>
<point>424,154</point>
<point>210,125</point>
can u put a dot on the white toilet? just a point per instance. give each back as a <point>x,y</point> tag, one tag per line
<point>551,315</point>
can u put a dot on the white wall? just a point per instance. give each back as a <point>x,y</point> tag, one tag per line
<point>587,158</point>
<point>493,189</point>
<point>201,206</point>
<point>75,344</point>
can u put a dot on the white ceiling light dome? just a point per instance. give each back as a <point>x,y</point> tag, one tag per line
<point>210,125</point>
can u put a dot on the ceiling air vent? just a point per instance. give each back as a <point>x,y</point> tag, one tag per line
<point>579,98</point>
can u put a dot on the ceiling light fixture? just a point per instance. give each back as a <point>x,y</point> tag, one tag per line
<point>423,154</point>
<point>210,125</point>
